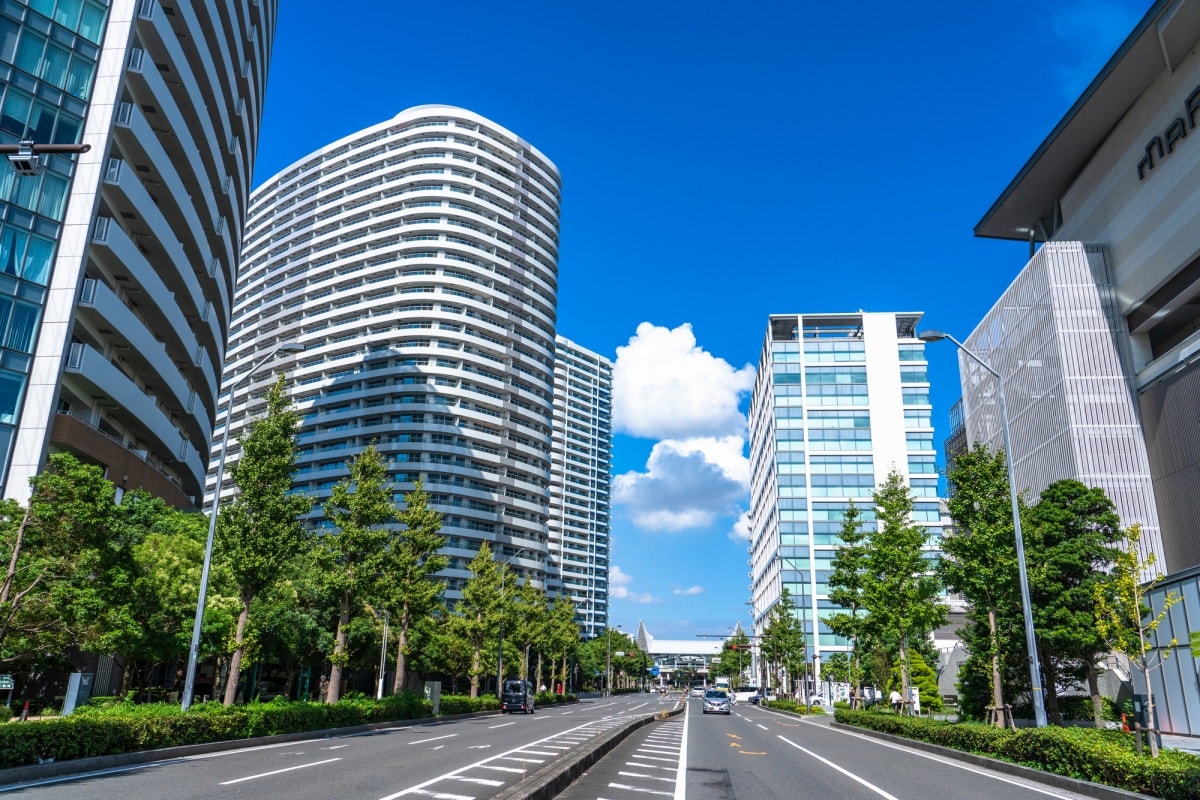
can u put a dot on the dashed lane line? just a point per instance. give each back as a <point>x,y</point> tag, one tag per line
<point>278,771</point>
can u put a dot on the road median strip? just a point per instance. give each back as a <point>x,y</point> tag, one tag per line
<point>554,778</point>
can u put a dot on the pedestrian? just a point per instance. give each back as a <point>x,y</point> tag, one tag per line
<point>895,699</point>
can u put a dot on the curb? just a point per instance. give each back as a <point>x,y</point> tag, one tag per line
<point>14,776</point>
<point>1095,790</point>
<point>549,781</point>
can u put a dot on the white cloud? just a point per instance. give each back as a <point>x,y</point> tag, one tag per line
<point>618,587</point>
<point>666,387</point>
<point>740,532</point>
<point>687,484</point>
<point>690,590</point>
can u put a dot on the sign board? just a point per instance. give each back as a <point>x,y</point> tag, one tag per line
<point>6,682</point>
<point>619,654</point>
<point>715,660</point>
<point>1194,635</point>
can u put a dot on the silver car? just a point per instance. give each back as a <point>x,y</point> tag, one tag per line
<point>716,701</point>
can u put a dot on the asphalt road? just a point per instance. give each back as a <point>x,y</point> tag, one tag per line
<point>755,754</point>
<point>470,759</point>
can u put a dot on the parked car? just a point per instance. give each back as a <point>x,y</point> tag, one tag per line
<point>716,701</point>
<point>517,696</point>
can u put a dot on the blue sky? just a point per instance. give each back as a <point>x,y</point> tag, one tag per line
<point>719,167</point>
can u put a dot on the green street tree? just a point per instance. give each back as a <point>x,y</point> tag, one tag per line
<point>261,529</point>
<point>846,586</point>
<point>352,558</point>
<point>411,561</point>
<point>71,566</point>
<point>562,637</point>
<point>900,596</point>
<point>528,613</point>
<point>979,560</point>
<point>924,678</point>
<point>735,657</point>
<point>1071,544</point>
<point>783,641</point>
<point>478,613</point>
<point>1124,618</point>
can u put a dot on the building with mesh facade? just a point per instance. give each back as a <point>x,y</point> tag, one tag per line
<point>417,262</point>
<point>117,266</point>
<point>580,477</point>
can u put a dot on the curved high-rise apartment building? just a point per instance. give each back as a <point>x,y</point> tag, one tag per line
<point>117,266</point>
<point>417,262</point>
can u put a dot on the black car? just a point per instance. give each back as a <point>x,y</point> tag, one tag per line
<point>517,696</point>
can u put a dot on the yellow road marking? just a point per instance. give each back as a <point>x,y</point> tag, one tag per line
<point>733,736</point>
<point>734,744</point>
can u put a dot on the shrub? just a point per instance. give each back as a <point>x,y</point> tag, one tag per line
<point>1076,707</point>
<point>6,713</point>
<point>462,704</point>
<point>1099,756</point>
<point>124,728</point>
<point>791,706</point>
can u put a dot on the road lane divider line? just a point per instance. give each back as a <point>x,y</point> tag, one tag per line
<point>764,727</point>
<point>501,725</point>
<point>498,768</point>
<point>840,769</point>
<point>278,771</point>
<point>434,739</point>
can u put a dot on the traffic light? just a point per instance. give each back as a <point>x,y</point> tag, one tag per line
<point>735,647</point>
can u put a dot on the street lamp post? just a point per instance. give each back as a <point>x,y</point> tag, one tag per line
<point>1035,679</point>
<point>189,681</point>
<point>383,655</point>
<point>500,629</point>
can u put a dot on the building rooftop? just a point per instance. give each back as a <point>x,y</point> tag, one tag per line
<point>1161,40</point>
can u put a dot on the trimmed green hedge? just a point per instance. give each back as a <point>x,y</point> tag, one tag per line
<point>126,728</point>
<point>1106,757</point>
<point>792,706</point>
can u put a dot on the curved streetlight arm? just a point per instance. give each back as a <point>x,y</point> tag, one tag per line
<point>189,680</point>
<point>1035,676</point>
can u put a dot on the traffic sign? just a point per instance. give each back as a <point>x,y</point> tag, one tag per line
<point>6,682</point>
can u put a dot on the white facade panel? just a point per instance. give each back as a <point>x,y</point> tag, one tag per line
<point>416,261</point>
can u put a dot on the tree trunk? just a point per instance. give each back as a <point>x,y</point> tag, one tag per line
<point>539,671</point>
<point>904,696</point>
<point>334,692</point>
<point>1093,680</point>
<point>6,589</point>
<point>401,680</point>
<point>997,687</point>
<point>476,669</point>
<point>239,649</point>
<point>1050,692</point>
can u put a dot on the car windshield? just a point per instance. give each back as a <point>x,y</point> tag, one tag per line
<point>514,686</point>
<point>714,694</point>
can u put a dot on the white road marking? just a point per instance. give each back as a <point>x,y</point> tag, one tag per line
<point>525,760</point>
<point>656,758</point>
<point>335,747</point>
<point>537,753</point>
<point>499,768</point>
<point>845,772</point>
<point>764,727</point>
<point>647,766</point>
<point>681,775</point>
<point>982,772</point>
<point>444,795</point>
<point>629,788</point>
<point>435,738</point>
<point>277,771</point>
<point>647,777</point>
<point>484,781</point>
<point>504,725</point>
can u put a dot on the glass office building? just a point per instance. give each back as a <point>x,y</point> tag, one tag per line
<point>117,265</point>
<point>417,262</point>
<point>580,478</point>
<point>840,401</point>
